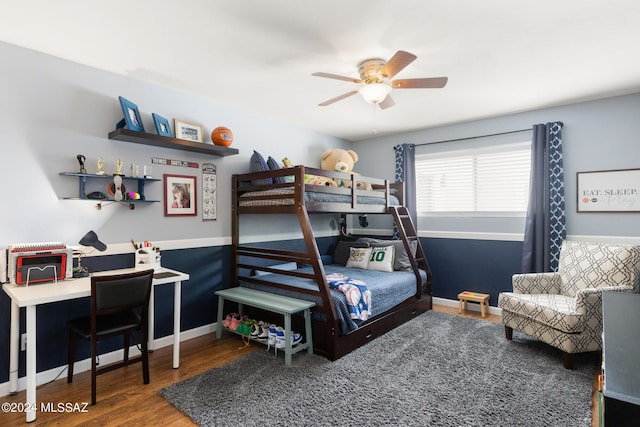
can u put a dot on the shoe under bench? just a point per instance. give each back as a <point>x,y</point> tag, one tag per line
<point>274,303</point>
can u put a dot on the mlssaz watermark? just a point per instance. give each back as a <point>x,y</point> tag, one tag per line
<point>59,407</point>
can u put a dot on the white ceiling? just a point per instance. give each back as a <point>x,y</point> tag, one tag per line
<point>501,56</point>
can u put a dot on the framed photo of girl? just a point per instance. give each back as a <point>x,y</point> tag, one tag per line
<point>180,195</point>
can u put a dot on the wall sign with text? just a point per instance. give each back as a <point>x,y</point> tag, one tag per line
<point>609,191</point>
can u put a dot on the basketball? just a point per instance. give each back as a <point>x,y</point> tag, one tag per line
<point>222,136</point>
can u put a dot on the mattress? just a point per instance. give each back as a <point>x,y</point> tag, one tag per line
<point>310,196</point>
<point>388,289</point>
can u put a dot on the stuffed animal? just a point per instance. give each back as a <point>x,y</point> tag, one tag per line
<point>340,160</point>
<point>286,163</point>
<point>322,180</point>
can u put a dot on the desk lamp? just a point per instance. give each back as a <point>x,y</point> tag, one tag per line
<point>89,239</point>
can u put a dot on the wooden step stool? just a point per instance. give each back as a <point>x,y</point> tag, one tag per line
<point>466,296</point>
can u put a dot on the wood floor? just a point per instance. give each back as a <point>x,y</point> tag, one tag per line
<point>122,398</point>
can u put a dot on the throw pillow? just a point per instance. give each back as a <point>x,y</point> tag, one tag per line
<point>273,165</point>
<point>359,257</point>
<point>341,252</point>
<point>381,258</point>
<point>401,261</point>
<point>258,164</point>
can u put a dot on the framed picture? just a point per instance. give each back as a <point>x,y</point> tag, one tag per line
<point>162,125</point>
<point>131,114</point>
<point>180,195</point>
<point>609,191</point>
<point>188,131</point>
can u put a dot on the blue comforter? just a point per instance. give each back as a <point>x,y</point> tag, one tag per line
<point>387,290</point>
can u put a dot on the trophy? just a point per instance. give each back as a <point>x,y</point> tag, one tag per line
<point>100,167</point>
<point>81,160</point>
<point>118,167</point>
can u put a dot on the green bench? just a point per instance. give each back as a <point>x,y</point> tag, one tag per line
<point>279,304</point>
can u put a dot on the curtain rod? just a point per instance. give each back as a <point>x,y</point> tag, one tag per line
<point>475,137</point>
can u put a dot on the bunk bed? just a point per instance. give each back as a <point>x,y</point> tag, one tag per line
<point>405,294</point>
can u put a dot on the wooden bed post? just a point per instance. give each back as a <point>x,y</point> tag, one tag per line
<point>235,231</point>
<point>316,263</point>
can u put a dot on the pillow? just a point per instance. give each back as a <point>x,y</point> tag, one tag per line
<point>257,164</point>
<point>359,257</point>
<point>341,252</point>
<point>401,261</point>
<point>273,165</point>
<point>381,258</point>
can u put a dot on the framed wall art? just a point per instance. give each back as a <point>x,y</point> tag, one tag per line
<point>188,131</point>
<point>131,115</point>
<point>609,191</point>
<point>209,184</point>
<point>180,195</point>
<point>162,125</point>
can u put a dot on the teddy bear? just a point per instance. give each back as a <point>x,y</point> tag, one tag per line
<point>340,160</point>
<point>322,180</point>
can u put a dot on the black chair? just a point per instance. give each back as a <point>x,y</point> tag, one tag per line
<point>119,306</point>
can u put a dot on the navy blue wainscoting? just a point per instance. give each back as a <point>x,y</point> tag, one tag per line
<point>5,321</point>
<point>209,269</point>
<point>473,265</point>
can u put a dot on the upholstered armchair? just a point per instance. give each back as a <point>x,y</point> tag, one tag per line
<point>564,309</point>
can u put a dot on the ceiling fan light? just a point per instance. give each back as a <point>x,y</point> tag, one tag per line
<point>375,93</point>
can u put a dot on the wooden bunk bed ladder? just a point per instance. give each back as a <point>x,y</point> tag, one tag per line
<point>408,234</point>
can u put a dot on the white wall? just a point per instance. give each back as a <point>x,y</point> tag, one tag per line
<point>597,135</point>
<point>54,109</point>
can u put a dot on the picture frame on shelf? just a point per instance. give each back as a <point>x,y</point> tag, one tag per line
<point>131,115</point>
<point>180,195</point>
<point>188,131</point>
<point>162,125</point>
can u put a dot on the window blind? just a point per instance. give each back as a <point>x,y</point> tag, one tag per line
<point>488,179</point>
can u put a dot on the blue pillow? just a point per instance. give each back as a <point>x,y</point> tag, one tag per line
<point>257,164</point>
<point>273,165</point>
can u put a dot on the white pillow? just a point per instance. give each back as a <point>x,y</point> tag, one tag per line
<point>382,258</point>
<point>359,257</point>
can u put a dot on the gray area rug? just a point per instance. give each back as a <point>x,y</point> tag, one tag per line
<point>436,370</point>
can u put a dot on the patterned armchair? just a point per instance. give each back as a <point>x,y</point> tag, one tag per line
<point>564,309</point>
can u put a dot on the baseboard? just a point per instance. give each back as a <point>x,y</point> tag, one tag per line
<point>472,307</point>
<point>53,374</point>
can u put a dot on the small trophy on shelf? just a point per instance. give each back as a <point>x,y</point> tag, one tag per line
<point>118,168</point>
<point>100,170</point>
<point>81,160</point>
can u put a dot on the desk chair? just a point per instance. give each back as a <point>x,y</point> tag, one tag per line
<point>119,306</point>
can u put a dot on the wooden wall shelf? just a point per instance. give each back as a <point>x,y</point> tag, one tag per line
<point>166,142</point>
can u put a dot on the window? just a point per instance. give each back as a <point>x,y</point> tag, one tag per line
<point>478,181</point>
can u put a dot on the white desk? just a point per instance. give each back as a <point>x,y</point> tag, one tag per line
<point>31,296</point>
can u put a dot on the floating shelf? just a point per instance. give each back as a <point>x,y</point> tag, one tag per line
<point>82,181</point>
<point>167,142</point>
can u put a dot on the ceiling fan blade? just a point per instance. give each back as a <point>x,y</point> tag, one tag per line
<point>425,83</point>
<point>388,102</point>
<point>337,77</point>
<point>338,98</point>
<point>397,63</point>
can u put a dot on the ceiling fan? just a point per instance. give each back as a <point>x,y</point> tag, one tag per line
<point>375,80</point>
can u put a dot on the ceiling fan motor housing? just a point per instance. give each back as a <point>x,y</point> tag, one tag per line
<point>370,70</point>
